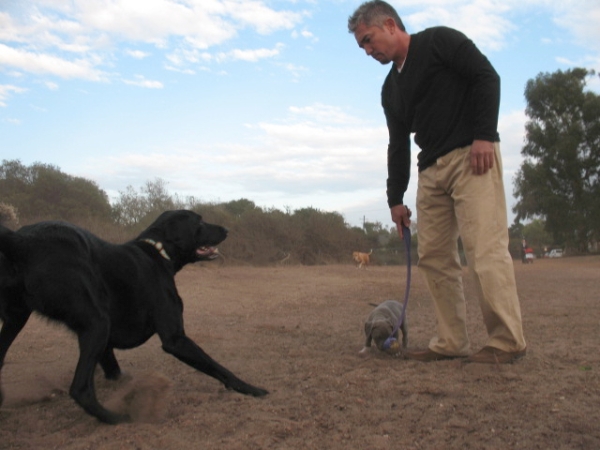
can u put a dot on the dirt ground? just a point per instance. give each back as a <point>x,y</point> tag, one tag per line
<point>296,331</point>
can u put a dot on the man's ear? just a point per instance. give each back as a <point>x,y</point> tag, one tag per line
<point>389,25</point>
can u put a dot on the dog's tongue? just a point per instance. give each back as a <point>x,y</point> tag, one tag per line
<point>207,251</point>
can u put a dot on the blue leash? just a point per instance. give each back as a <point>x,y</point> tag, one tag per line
<point>389,341</point>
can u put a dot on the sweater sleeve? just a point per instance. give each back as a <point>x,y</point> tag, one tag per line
<point>398,158</point>
<point>461,55</point>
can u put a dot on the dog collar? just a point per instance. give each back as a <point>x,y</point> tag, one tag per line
<point>158,246</point>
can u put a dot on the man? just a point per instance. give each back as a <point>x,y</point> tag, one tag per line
<point>443,89</point>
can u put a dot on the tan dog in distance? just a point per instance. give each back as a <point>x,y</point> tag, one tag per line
<point>363,259</point>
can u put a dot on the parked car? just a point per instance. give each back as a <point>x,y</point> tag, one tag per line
<point>556,253</point>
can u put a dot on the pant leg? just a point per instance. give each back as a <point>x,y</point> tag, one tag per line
<point>480,207</point>
<point>439,262</point>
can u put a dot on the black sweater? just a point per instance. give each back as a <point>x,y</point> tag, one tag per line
<point>447,93</point>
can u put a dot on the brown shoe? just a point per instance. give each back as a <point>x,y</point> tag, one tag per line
<point>491,355</point>
<point>428,355</point>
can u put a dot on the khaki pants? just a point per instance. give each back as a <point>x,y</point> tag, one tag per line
<point>452,201</point>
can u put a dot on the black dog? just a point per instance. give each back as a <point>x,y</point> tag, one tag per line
<point>111,296</point>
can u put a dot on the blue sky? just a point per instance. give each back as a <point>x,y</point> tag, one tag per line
<point>272,101</point>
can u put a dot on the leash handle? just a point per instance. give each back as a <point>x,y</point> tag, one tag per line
<point>406,238</point>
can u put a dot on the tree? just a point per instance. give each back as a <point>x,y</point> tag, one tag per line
<point>42,191</point>
<point>138,209</point>
<point>559,179</point>
<point>130,208</point>
<point>239,207</point>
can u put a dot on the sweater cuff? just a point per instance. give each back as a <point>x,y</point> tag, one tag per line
<point>395,202</point>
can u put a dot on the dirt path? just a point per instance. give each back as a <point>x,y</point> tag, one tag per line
<point>297,331</point>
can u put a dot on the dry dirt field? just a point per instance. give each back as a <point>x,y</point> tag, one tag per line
<point>296,331</point>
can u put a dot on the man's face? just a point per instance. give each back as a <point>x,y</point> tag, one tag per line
<point>375,41</point>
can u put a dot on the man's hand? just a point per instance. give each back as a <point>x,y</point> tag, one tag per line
<point>482,156</point>
<point>401,216</point>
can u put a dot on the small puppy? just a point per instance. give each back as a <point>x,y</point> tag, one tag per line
<point>362,259</point>
<point>381,323</point>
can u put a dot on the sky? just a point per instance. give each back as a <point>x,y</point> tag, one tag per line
<point>271,101</point>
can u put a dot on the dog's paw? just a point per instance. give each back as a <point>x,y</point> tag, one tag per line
<point>142,399</point>
<point>245,388</point>
<point>259,392</point>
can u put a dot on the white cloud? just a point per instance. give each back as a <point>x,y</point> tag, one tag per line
<point>257,15</point>
<point>296,71</point>
<point>6,90</point>
<point>325,114</point>
<point>42,63</point>
<point>137,54</point>
<point>333,152</point>
<point>482,20</point>
<point>204,22</point>
<point>308,35</point>
<point>581,18</point>
<point>252,55</point>
<point>305,34</point>
<point>37,36</point>
<point>511,127</point>
<point>177,69</point>
<point>488,22</point>
<point>154,21</point>
<point>141,81</point>
<point>181,57</point>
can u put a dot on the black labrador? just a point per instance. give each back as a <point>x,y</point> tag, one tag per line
<point>111,296</point>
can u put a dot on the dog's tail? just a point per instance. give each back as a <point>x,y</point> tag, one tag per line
<point>8,272</point>
<point>8,243</point>
<point>370,252</point>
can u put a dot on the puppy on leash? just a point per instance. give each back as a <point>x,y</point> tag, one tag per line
<point>389,317</point>
<point>380,325</point>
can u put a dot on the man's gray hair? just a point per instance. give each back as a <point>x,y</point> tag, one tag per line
<point>373,13</point>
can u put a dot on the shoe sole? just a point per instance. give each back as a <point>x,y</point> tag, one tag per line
<point>434,359</point>
<point>496,360</point>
